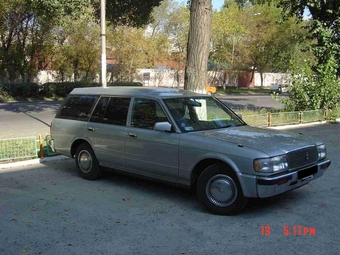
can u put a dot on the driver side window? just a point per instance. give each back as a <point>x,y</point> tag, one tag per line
<point>146,113</point>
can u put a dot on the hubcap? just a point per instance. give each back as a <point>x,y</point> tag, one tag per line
<point>221,190</point>
<point>85,161</point>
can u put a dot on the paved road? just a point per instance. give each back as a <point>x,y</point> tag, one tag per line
<point>33,118</point>
<point>251,102</point>
<point>26,118</point>
<point>48,209</point>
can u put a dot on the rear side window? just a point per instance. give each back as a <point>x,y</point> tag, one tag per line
<point>112,110</point>
<point>77,108</point>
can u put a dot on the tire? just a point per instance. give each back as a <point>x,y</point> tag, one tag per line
<point>209,93</point>
<point>210,185</point>
<point>87,163</point>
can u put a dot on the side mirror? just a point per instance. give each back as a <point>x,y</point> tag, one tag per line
<point>240,116</point>
<point>163,126</point>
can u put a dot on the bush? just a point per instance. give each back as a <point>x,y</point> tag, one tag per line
<point>62,89</point>
<point>51,89</point>
<point>312,90</point>
<point>19,90</point>
<point>125,84</point>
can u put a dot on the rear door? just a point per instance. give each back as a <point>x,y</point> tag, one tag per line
<point>106,130</point>
<point>147,151</point>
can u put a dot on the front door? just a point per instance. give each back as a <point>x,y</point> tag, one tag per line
<point>147,151</point>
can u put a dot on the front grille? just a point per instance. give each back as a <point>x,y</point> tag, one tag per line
<point>303,157</point>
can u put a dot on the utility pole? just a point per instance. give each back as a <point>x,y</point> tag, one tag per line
<point>103,39</point>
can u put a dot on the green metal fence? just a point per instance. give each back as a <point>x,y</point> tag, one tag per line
<point>311,116</point>
<point>19,148</point>
<point>283,118</point>
<point>258,120</point>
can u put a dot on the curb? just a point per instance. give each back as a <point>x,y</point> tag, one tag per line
<point>61,157</point>
<point>33,161</point>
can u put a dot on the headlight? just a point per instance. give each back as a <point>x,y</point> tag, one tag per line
<point>269,165</point>
<point>322,151</point>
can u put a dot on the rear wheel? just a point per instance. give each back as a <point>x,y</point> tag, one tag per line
<point>87,163</point>
<point>219,190</point>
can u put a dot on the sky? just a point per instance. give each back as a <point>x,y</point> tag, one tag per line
<point>217,4</point>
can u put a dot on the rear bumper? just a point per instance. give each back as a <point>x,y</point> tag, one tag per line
<point>271,186</point>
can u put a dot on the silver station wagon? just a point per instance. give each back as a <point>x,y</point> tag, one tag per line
<point>184,138</point>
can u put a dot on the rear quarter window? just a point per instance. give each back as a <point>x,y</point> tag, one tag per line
<point>77,107</point>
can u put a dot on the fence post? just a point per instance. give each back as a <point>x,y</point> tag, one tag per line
<point>41,151</point>
<point>300,117</point>
<point>269,119</point>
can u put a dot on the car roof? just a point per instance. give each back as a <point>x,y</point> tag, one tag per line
<point>135,92</point>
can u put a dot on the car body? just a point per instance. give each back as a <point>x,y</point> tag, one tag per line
<point>183,138</point>
<point>210,89</point>
<point>279,88</point>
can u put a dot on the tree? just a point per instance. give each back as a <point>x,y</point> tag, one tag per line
<point>133,49</point>
<point>228,34</point>
<point>72,55</point>
<point>324,28</point>
<point>254,37</point>
<point>127,12</point>
<point>26,34</point>
<point>171,20</point>
<point>198,47</point>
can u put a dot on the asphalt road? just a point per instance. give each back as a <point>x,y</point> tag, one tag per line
<point>33,118</point>
<point>48,209</point>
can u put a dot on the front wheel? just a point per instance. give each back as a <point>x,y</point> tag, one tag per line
<point>219,190</point>
<point>87,163</point>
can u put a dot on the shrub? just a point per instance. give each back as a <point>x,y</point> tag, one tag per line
<point>125,84</point>
<point>62,89</point>
<point>19,90</point>
<point>312,90</point>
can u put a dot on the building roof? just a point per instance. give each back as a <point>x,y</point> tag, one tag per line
<point>135,92</point>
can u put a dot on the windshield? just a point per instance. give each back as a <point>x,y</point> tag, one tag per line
<point>201,113</point>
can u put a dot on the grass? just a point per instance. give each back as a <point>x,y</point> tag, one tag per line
<point>250,91</point>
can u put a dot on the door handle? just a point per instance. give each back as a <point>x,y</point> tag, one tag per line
<point>133,135</point>
<point>90,129</point>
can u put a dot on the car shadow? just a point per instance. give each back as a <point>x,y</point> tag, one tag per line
<point>32,107</point>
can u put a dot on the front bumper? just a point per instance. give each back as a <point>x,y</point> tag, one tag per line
<point>270,186</point>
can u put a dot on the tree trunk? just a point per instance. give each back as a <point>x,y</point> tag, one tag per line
<point>195,78</point>
<point>261,75</point>
<point>251,79</point>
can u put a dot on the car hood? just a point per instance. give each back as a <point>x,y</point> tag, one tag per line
<point>270,141</point>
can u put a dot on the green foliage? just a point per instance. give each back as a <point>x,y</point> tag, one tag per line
<point>125,84</point>
<point>62,89</point>
<point>72,55</point>
<point>312,90</point>
<point>133,49</point>
<point>324,28</point>
<point>254,37</point>
<point>51,89</point>
<point>127,12</point>
<point>19,90</point>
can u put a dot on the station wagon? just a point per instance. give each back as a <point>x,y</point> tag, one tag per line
<point>183,138</point>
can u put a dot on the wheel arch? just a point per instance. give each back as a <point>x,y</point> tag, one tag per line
<point>76,143</point>
<point>204,163</point>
